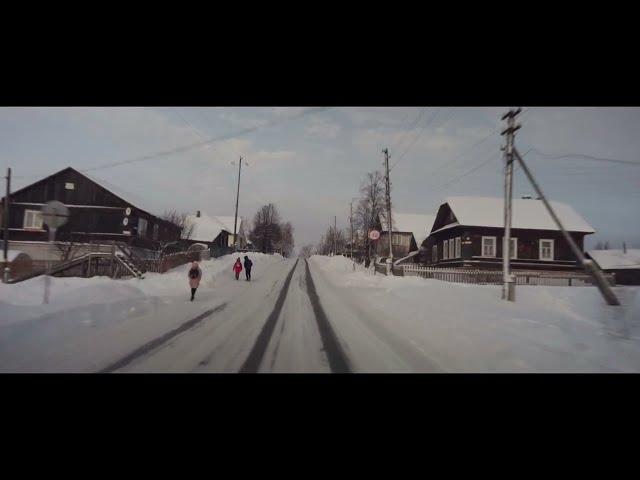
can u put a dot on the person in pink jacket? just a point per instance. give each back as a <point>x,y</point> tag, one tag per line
<point>237,267</point>
<point>194,275</point>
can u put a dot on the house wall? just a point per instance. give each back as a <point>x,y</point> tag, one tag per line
<point>528,242</point>
<point>400,249</point>
<point>95,214</point>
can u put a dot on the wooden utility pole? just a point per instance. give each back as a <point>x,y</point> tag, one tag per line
<point>7,269</point>
<point>351,229</point>
<point>235,221</point>
<point>388,202</point>
<point>508,280</point>
<point>335,235</point>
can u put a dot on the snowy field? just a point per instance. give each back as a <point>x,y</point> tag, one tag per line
<point>91,322</point>
<point>397,324</point>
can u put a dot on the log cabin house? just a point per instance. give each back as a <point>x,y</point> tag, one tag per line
<point>100,213</point>
<point>625,264</point>
<point>407,235</point>
<point>469,231</point>
<point>214,232</point>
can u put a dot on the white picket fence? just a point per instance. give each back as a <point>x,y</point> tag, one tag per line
<point>494,277</point>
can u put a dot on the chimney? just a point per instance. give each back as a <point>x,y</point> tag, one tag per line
<point>198,214</point>
<point>526,197</point>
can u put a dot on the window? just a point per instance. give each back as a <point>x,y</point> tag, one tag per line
<point>156,228</point>
<point>546,249</point>
<point>396,239</point>
<point>488,246</point>
<point>142,227</point>
<point>452,253</point>
<point>33,219</point>
<point>434,253</point>
<point>458,247</point>
<point>445,250</point>
<point>513,248</point>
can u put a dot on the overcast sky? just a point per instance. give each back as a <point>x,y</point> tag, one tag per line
<point>311,165</point>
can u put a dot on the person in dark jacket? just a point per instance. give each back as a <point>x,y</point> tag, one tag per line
<point>247,267</point>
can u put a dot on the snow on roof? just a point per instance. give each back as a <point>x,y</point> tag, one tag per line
<point>418,224</point>
<point>227,222</point>
<point>206,227</point>
<point>527,213</point>
<point>11,255</point>
<point>616,259</point>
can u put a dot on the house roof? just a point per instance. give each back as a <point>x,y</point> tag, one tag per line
<point>206,228</point>
<point>417,224</point>
<point>128,197</point>
<point>616,259</point>
<point>526,214</point>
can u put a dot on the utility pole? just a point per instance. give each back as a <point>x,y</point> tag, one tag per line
<point>388,198</point>
<point>351,229</point>
<point>235,221</point>
<point>589,266</point>
<point>5,277</point>
<point>335,235</point>
<point>508,281</point>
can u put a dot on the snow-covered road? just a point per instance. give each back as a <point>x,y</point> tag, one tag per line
<point>311,316</point>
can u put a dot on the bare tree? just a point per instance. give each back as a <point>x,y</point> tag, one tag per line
<point>370,206</point>
<point>180,220</point>
<point>306,251</point>
<point>266,232</point>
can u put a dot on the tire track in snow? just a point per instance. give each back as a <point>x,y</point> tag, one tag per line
<point>338,361</point>
<point>157,342</point>
<point>252,363</point>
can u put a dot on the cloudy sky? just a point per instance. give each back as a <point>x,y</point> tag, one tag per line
<point>310,162</point>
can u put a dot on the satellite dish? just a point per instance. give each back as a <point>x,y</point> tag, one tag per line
<point>55,214</point>
<point>128,211</point>
<point>125,221</point>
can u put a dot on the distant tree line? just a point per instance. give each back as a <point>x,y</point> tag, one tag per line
<point>269,234</point>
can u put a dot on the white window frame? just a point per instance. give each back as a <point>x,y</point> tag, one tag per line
<point>458,247</point>
<point>514,255</point>
<point>156,230</point>
<point>36,216</point>
<point>552,249</point>
<point>495,247</point>
<point>452,253</point>
<point>434,254</point>
<point>143,224</point>
<point>445,250</point>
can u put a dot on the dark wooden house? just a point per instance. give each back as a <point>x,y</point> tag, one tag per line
<point>469,232</point>
<point>408,232</point>
<point>99,213</point>
<point>625,264</point>
<point>213,232</point>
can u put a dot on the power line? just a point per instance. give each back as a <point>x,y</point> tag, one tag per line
<point>424,127</point>
<point>185,148</point>
<point>587,157</point>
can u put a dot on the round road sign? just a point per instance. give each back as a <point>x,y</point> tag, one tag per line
<point>55,214</point>
<point>374,234</point>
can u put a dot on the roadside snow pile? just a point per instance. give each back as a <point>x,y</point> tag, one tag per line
<point>440,326</point>
<point>24,300</point>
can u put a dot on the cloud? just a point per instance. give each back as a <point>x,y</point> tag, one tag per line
<point>321,128</point>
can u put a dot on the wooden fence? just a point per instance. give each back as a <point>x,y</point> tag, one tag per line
<point>494,277</point>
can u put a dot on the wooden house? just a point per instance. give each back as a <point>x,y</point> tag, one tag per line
<point>216,232</point>
<point>469,232</point>
<point>100,213</point>
<point>407,234</point>
<point>625,264</point>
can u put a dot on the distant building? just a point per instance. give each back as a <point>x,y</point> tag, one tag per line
<point>625,264</point>
<point>215,232</point>
<point>469,231</point>
<point>408,232</point>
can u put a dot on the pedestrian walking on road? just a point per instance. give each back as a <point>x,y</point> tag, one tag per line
<point>195,274</point>
<point>247,267</point>
<point>237,267</point>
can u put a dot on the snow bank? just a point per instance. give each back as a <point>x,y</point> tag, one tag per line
<point>440,326</point>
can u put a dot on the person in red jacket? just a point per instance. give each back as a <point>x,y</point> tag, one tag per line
<point>237,267</point>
